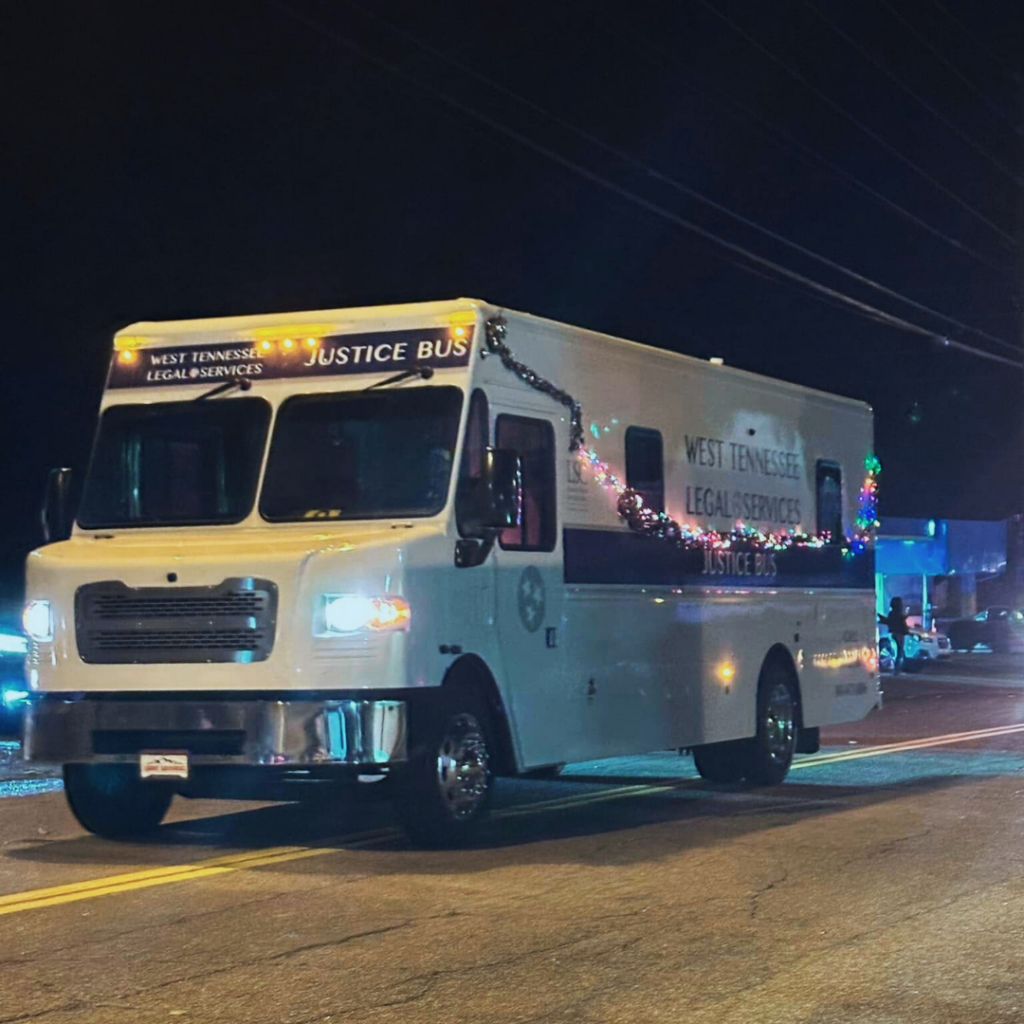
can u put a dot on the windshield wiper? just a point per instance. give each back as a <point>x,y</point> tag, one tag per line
<point>242,384</point>
<point>425,372</point>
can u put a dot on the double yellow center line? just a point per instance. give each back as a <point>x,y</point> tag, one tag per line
<point>904,745</point>
<point>149,877</point>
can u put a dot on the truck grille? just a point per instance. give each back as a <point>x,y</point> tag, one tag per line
<point>232,622</point>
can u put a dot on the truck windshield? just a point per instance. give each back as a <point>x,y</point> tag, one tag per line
<point>369,455</point>
<point>175,464</point>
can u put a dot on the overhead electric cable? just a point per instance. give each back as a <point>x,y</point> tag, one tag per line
<point>937,114</point>
<point>856,122</point>
<point>935,51</point>
<point>657,175</point>
<point>646,45</point>
<point>456,104</point>
<point>1015,75</point>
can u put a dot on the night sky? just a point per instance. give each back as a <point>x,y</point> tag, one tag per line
<point>207,159</point>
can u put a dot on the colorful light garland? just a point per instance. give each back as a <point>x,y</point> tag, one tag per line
<point>644,520</point>
<point>641,519</point>
<point>867,509</point>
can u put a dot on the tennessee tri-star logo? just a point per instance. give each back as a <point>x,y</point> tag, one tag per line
<point>531,599</point>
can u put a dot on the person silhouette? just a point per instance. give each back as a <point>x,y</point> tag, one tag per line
<point>896,620</point>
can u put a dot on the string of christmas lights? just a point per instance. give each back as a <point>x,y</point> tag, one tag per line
<point>644,520</point>
<point>867,509</point>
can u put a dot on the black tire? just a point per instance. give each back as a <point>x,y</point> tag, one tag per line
<point>958,641</point>
<point>445,790</point>
<point>110,800</point>
<point>770,752</point>
<point>721,762</point>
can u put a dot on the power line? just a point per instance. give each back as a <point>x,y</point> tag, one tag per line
<point>783,283</point>
<point>977,42</point>
<point>870,133</point>
<point>678,186</point>
<point>937,114</point>
<point>645,45</point>
<point>936,52</point>
<point>456,104</point>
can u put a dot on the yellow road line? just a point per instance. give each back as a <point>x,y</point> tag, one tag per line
<point>519,810</point>
<point>156,874</point>
<point>918,744</point>
<point>146,879</point>
<point>150,877</point>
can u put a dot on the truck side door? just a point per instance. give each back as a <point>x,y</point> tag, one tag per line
<point>530,593</point>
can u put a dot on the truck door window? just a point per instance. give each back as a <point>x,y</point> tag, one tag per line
<point>467,495</point>
<point>645,466</point>
<point>829,492</point>
<point>534,442</point>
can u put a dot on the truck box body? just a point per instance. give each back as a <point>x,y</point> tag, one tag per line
<point>216,564</point>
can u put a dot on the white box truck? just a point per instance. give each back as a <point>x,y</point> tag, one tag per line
<point>424,545</point>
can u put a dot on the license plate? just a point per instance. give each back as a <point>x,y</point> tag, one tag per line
<point>163,764</point>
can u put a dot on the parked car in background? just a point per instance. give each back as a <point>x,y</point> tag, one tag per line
<point>921,645</point>
<point>933,644</point>
<point>998,628</point>
<point>887,649</point>
<point>13,691</point>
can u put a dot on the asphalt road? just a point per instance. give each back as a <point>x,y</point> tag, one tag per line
<point>876,885</point>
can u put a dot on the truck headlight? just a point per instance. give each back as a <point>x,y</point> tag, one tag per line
<point>350,613</point>
<point>37,621</point>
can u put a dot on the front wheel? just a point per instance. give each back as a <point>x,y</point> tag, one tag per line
<point>445,789</point>
<point>771,750</point>
<point>110,800</point>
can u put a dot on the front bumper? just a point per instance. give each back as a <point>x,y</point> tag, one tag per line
<point>218,732</point>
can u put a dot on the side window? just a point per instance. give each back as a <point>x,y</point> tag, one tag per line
<point>467,496</point>
<point>534,443</point>
<point>829,491</point>
<point>645,466</point>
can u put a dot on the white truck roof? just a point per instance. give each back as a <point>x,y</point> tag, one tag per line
<point>322,322</point>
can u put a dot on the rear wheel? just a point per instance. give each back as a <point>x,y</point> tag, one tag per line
<point>770,752</point>
<point>110,800</point>
<point>958,640</point>
<point>721,762</point>
<point>445,789</point>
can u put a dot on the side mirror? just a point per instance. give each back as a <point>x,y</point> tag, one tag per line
<point>493,503</point>
<point>501,490</point>
<point>58,512</point>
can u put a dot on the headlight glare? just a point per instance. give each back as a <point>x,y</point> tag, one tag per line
<point>11,696</point>
<point>37,621</point>
<point>350,613</point>
<point>12,643</point>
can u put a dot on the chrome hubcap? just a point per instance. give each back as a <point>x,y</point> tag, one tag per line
<point>780,723</point>
<point>462,766</point>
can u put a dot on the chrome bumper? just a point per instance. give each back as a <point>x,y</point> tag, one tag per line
<point>221,732</point>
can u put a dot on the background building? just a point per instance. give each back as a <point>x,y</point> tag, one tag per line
<point>947,568</point>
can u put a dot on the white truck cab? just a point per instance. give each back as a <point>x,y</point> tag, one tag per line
<point>431,543</point>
